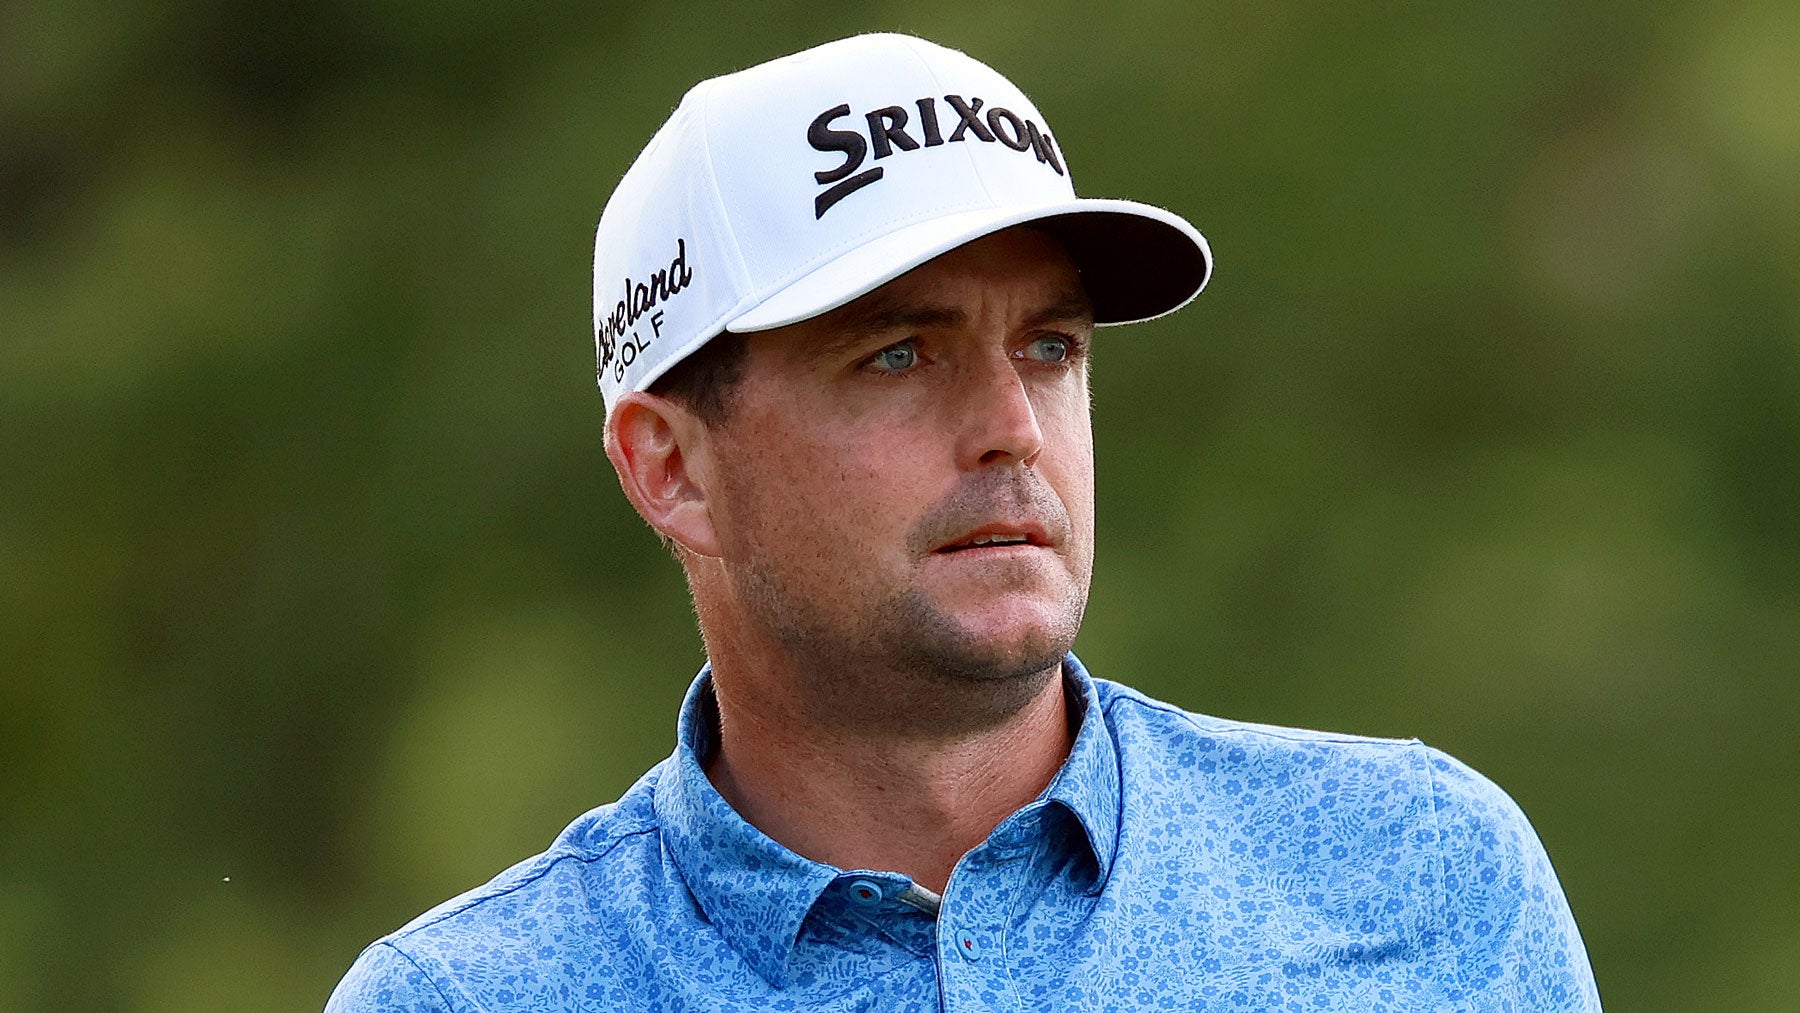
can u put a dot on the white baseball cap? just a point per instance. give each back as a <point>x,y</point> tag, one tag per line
<point>784,191</point>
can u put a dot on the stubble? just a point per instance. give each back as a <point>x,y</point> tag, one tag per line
<point>898,662</point>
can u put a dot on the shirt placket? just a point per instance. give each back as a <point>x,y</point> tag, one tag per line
<point>973,960</point>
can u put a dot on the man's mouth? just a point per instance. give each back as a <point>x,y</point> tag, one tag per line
<point>996,536</point>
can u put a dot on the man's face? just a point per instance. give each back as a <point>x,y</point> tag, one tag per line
<point>906,483</point>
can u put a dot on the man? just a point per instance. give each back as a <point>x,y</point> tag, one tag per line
<point>843,306</point>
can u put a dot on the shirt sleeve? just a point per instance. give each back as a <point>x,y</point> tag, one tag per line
<point>384,979</point>
<point>1509,939</point>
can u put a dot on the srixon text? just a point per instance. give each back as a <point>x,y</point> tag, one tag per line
<point>893,128</point>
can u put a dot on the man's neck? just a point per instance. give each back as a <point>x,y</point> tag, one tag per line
<point>901,803</point>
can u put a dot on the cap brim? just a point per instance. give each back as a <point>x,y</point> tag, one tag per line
<point>1137,261</point>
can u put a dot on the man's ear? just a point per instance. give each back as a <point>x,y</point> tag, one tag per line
<point>662,453</point>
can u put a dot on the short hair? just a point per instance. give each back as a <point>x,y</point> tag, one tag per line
<point>705,382</point>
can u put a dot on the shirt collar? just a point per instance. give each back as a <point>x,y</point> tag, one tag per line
<point>1088,783</point>
<point>757,893</point>
<point>753,890</point>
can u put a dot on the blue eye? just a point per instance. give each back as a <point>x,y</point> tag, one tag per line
<point>897,357</point>
<point>1049,348</point>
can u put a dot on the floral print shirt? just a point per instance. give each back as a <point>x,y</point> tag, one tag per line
<point>1175,862</point>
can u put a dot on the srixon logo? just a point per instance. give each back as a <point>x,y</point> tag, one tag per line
<point>619,342</point>
<point>888,132</point>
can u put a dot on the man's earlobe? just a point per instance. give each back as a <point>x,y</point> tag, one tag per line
<point>662,454</point>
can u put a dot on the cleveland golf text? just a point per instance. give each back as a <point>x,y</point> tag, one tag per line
<point>640,298</point>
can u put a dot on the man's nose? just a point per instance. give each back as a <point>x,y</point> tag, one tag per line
<point>1000,424</point>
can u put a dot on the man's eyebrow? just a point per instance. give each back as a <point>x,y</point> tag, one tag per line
<point>1075,306</point>
<point>882,318</point>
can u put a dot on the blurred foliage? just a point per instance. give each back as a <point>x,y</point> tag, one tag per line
<point>318,602</point>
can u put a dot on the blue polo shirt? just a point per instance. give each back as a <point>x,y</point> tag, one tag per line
<point>1176,862</point>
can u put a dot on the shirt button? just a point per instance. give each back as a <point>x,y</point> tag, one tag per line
<point>968,946</point>
<point>865,891</point>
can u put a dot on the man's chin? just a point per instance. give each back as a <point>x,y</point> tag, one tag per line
<point>997,645</point>
<point>961,684</point>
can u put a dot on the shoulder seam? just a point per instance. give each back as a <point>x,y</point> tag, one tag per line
<point>436,986</point>
<point>1267,731</point>
<point>549,862</point>
<point>1452,974</point>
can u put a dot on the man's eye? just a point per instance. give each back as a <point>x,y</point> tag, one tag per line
<point>897,357</point>
<point>1049,348</point>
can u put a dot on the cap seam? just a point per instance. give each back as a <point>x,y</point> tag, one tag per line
<point>712,189</point>
<point>968,153</point>
<point>857,240</point>
<point>739,270</point>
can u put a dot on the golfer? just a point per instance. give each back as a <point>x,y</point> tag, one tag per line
<point>843,309</point>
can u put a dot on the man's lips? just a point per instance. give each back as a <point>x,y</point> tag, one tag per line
<point>1009,511</point>
<point>999,536</point>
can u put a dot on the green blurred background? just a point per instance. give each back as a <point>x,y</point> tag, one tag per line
<point>319,603</point>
